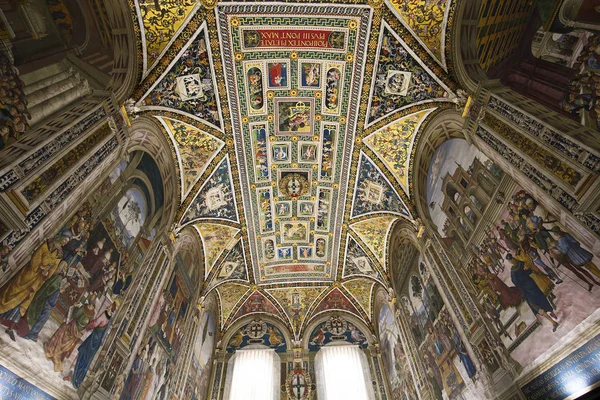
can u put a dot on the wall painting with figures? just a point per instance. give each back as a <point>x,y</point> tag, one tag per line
<point>168,318</point>
<point>449,368</point>
<point>394,357</point>
<point>150,372</point>
<point>75,281</point>
<point>533,277</point>
<point>202,355</point>
<point>156,359</point>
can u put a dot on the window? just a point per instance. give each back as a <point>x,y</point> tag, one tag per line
<point>253,374</point>
<point>343,373</point>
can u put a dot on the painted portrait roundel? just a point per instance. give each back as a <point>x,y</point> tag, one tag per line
<point>294,185</point>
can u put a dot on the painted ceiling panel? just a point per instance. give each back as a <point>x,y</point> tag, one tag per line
<point>296,302</point>
<point>293,126</point>
<point>336,300</point>
<point>427,20</point>
<point>195,150</point>
<point>233,267</point>
<point>216,198</point>
<point>373,192</point>
<point>401,79</point>
<point>358,263</point>
<point>216,238</point>
<point>361,290</point>
<point>230,294</point>
<point>256,303</point>
<point>293,119</point>
<point>160,23</point>
<point>188,85</point>
<point>373,232</point>
<point>393,144</point>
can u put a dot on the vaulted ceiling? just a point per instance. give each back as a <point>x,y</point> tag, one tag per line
<point>293,128</point>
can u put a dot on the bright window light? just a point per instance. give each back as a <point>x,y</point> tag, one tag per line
<point>253,374</point>
<point>343,373</point>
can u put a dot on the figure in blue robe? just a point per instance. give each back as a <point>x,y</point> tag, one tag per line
<point>461,350</point>
<point>87,350</point>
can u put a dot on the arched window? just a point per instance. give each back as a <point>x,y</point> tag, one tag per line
<point>343,373</point>
<point>253,374</point>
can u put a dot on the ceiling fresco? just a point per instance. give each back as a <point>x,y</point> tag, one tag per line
<point>293,128</point>
<point>295,112</point>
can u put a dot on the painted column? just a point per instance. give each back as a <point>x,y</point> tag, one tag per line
<point>53,89</point>
<point>45,82</point>
<point>52,105</point>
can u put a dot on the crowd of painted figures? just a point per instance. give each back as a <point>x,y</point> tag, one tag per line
<point>585,86</point>
<point>530,242</point>
<point>75,281</point>
<point>13,106</point>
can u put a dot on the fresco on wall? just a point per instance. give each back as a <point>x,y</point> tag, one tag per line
<point>334,329</point>
<point>258,332</point>
<point>167,319</point>
<point>373,192</point>
<point>129,216</point>
<point>450,369</point>
<point>188,84</point>
<point>202,355</point>
<point>394,358</point>
<point>426,19</point>
<point>400,78</point>
<point>75,282</point>
<point>216,198</point>
<point>449,182</point>
<point>14,104</point>
<point>533,276</point>
<point>150,373</point>
<point>358,262</point>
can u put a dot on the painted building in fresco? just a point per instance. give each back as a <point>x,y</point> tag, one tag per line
<point>413,180</point>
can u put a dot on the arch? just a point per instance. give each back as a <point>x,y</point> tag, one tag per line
<point>146,135</point>
<point>188,242</point>
<point>238,326</point>
<point>445,125</point>
<point>404,246</point>
<point>569,12</point>
<point>144,178</point>
<point>464,59</point>
<point>349,317</point>
<point>126,72</point>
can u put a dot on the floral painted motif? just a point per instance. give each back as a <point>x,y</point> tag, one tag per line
<point>425,18</point>
<point>188,85</point>
<point>374,233</point>
<point>360,289</point>
<point>400,79</point>
<point>195,147</point>
<point>393,144</point>
<point>162,23</point>
<point>295,302</point>
<point>374,193</point>
<point>215,239</point>
<point>216,197</point>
